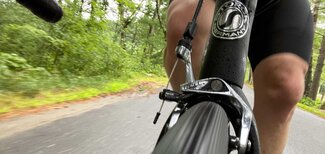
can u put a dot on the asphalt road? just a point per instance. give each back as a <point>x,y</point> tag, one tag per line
<point>125,127</point>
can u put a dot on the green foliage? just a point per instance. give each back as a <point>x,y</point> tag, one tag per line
<point>35,45</point>
<point>12,101</point>
<point>84,49</point>
<point>316,111</point>
<point>82,56</point>
<point>17,75</point>
<point>309,102</point>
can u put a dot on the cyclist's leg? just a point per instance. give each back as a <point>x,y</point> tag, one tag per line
<point>281,50</point>
<point>276,95</point>
<point>180,12</point>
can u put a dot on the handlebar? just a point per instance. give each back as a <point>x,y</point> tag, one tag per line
<point>48,10</point>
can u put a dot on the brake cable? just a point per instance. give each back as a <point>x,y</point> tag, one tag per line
<point>187,37</point>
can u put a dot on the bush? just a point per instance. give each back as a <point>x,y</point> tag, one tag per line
<point>33,44</point>
<point>309,102</point>
<point>322,107</point>
<point>18,76</point>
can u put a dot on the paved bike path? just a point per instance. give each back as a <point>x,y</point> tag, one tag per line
<point>126,127</point>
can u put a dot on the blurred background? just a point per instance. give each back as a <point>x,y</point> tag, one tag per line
<point>99,46</point>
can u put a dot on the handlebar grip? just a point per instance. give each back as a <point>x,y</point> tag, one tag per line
<point>48,10</point>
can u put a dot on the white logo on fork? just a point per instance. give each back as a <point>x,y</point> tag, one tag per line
<point>231,21</point>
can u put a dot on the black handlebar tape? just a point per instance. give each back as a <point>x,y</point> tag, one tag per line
<point>48,10</point>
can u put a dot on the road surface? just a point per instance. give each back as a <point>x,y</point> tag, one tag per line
<point>124,126</point>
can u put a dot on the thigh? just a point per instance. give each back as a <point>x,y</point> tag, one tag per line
<point>286,26</point>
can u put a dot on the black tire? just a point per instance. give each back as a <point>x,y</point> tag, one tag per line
<point>253,137</point>
<point>202,129</point>
<point>164,129</point>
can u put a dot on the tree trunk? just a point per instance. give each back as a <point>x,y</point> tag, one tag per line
<point>134,38</point>
<point>308,81</point>
<point>124,22</point>
<point>93,4</point>
<point>323,107</point>
<point>158,3</point>
<point>323,103</point>
<point>318,71</point>
<point>121,11</point>
<point>81,7</point>
<point>322,90</point>
<point>150,33</point>
<point>126,17</point>
<point>105,5</point>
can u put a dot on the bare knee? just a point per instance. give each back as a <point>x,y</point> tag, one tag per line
<point>280,78</point>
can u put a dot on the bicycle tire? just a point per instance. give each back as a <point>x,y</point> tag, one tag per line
<point>253,137</point>
<point>202,129</point>
<point>164,129</point>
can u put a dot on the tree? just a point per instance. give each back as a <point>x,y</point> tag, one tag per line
<point>308,81</point>
<point>318,71</point>
<point>127,12</point>
<point>158,8</point>
<point>322,91</point>
<point>151,29</point>
<point>88,41</point>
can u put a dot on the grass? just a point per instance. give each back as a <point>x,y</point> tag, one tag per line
<point>16,101</point>
<point>315,111</point>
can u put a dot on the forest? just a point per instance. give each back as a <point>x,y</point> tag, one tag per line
<point>98,42</point>
<point>95,42</point>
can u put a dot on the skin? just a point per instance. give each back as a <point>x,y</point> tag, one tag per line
<point>276,93</point>
<point>179,13</point>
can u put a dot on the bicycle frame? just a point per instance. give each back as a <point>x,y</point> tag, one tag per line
<point>228,47</point>
<point>222,74</point>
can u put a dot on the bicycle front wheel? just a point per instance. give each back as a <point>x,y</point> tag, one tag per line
<point>201,129</point>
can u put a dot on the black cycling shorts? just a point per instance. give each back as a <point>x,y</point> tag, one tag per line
<point>281,26</point>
